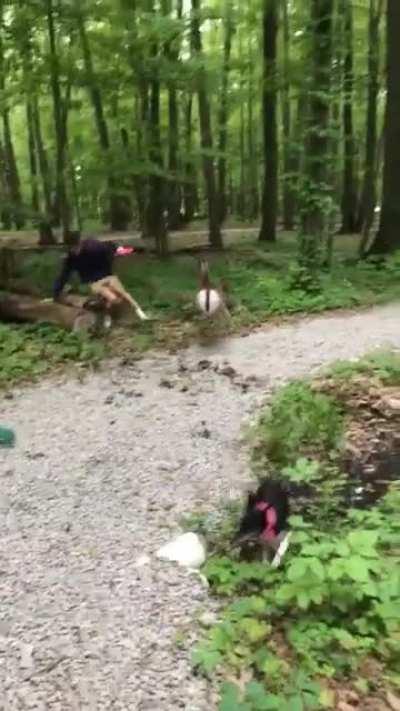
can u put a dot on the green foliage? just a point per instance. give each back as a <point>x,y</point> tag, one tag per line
<point>258,282</point>
<point>298,419</point>
<point>385,365</point>
<point>258,287</point>
<point>335,603</point>
<point>29,351</point>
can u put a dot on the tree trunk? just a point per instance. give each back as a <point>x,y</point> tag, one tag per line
<point>156,208</point>
<point>172,50</point>
<point>368,196</point>
<point>60,206</point>
<point>141,181</point>
<point>215,236</point>
<point>252,145</point>
<point>14,210</point>
<point>5,209</point>
<point>288,158</point>
<point>223,111</point>
<point>316,161</point>
<point>12,177</point>
<point>388,236</point>
<point>32,159</point>
<point>349,195</point>
<point>119,207</point>
<point>174,190</point>
<point>190,201</point>
<point>42,158</point>
<point>15,307</point>
<point>269,104</point>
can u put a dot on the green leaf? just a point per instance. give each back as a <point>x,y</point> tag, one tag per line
<point>303,600</point>
<point>206,659</point>
<point>297,569</point>
<point>317,568</point>
<point>285,593</point>
<point>255,630</point>
<point>260,699</point>
<point>357,569</point>
<point>364,542</point>
<point>295,704</point>
<point>230,699</point>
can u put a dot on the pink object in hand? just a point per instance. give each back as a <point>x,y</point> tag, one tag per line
<point>124,251</point>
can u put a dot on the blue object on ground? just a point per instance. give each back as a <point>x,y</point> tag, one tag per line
<point>7,437</point>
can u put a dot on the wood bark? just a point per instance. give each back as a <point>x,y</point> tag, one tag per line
<point>316,164</point>
<point>289,164</point>
<point>156,208</point>
<point>368,196</point>
<point>206,137</point>
<point>60,209</point>
<point>190,197</point>
<point>270,127</point>
<point>223,110</point>
<point>15,307</point>
<point>349,191</point>
<point>388,235</point>
<point>43,162</point>
<point>119,209</point>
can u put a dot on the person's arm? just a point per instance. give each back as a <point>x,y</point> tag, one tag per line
<point>63,278</point>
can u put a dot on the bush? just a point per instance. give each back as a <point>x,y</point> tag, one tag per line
<point>298,419</point>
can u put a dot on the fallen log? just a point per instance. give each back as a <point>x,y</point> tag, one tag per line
<point>27,309</point>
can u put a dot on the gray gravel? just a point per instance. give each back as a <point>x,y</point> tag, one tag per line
<point>101,475</point>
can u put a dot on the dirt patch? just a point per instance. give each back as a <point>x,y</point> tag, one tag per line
<point>371,450</point>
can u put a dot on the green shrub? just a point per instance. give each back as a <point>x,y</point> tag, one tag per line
<point>298,419</point>
<point>29,351</point>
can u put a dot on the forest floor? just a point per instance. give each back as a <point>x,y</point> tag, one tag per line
<point>103,471</point>
<point>261,284</point>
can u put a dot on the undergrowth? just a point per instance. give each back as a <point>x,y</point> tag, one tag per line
<point>384,365</point>
<point>260,284</point>
<point>298,418</point>
<point>29,351</point>
<point>290,639</point>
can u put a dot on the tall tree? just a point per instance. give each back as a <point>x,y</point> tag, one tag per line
<point>119,206</point>
<point>214,221</point>
<point>269,105</point>
<point>156,208</point>
<point>349,191</point>
<point>42,157</point>
<point>287,148</point>
<point>223,110</point>
<point>172,50</point>
<point>252,143</point>
<point>316,189</point>
<point>13,197</point>
<point>32,158</point>
<point>190,197</point>
<point>368,197</point>
<point>61,210</point>
<point>388,235</point>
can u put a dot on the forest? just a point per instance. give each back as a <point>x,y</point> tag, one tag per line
<point>145,115</point>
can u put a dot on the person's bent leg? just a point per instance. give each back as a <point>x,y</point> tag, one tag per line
<point>116,285</point>
<point>106,292</point>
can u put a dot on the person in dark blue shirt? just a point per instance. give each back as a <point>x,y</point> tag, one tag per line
<point>93,261</point>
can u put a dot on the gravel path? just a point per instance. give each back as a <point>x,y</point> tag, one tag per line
<point>101,475</point>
